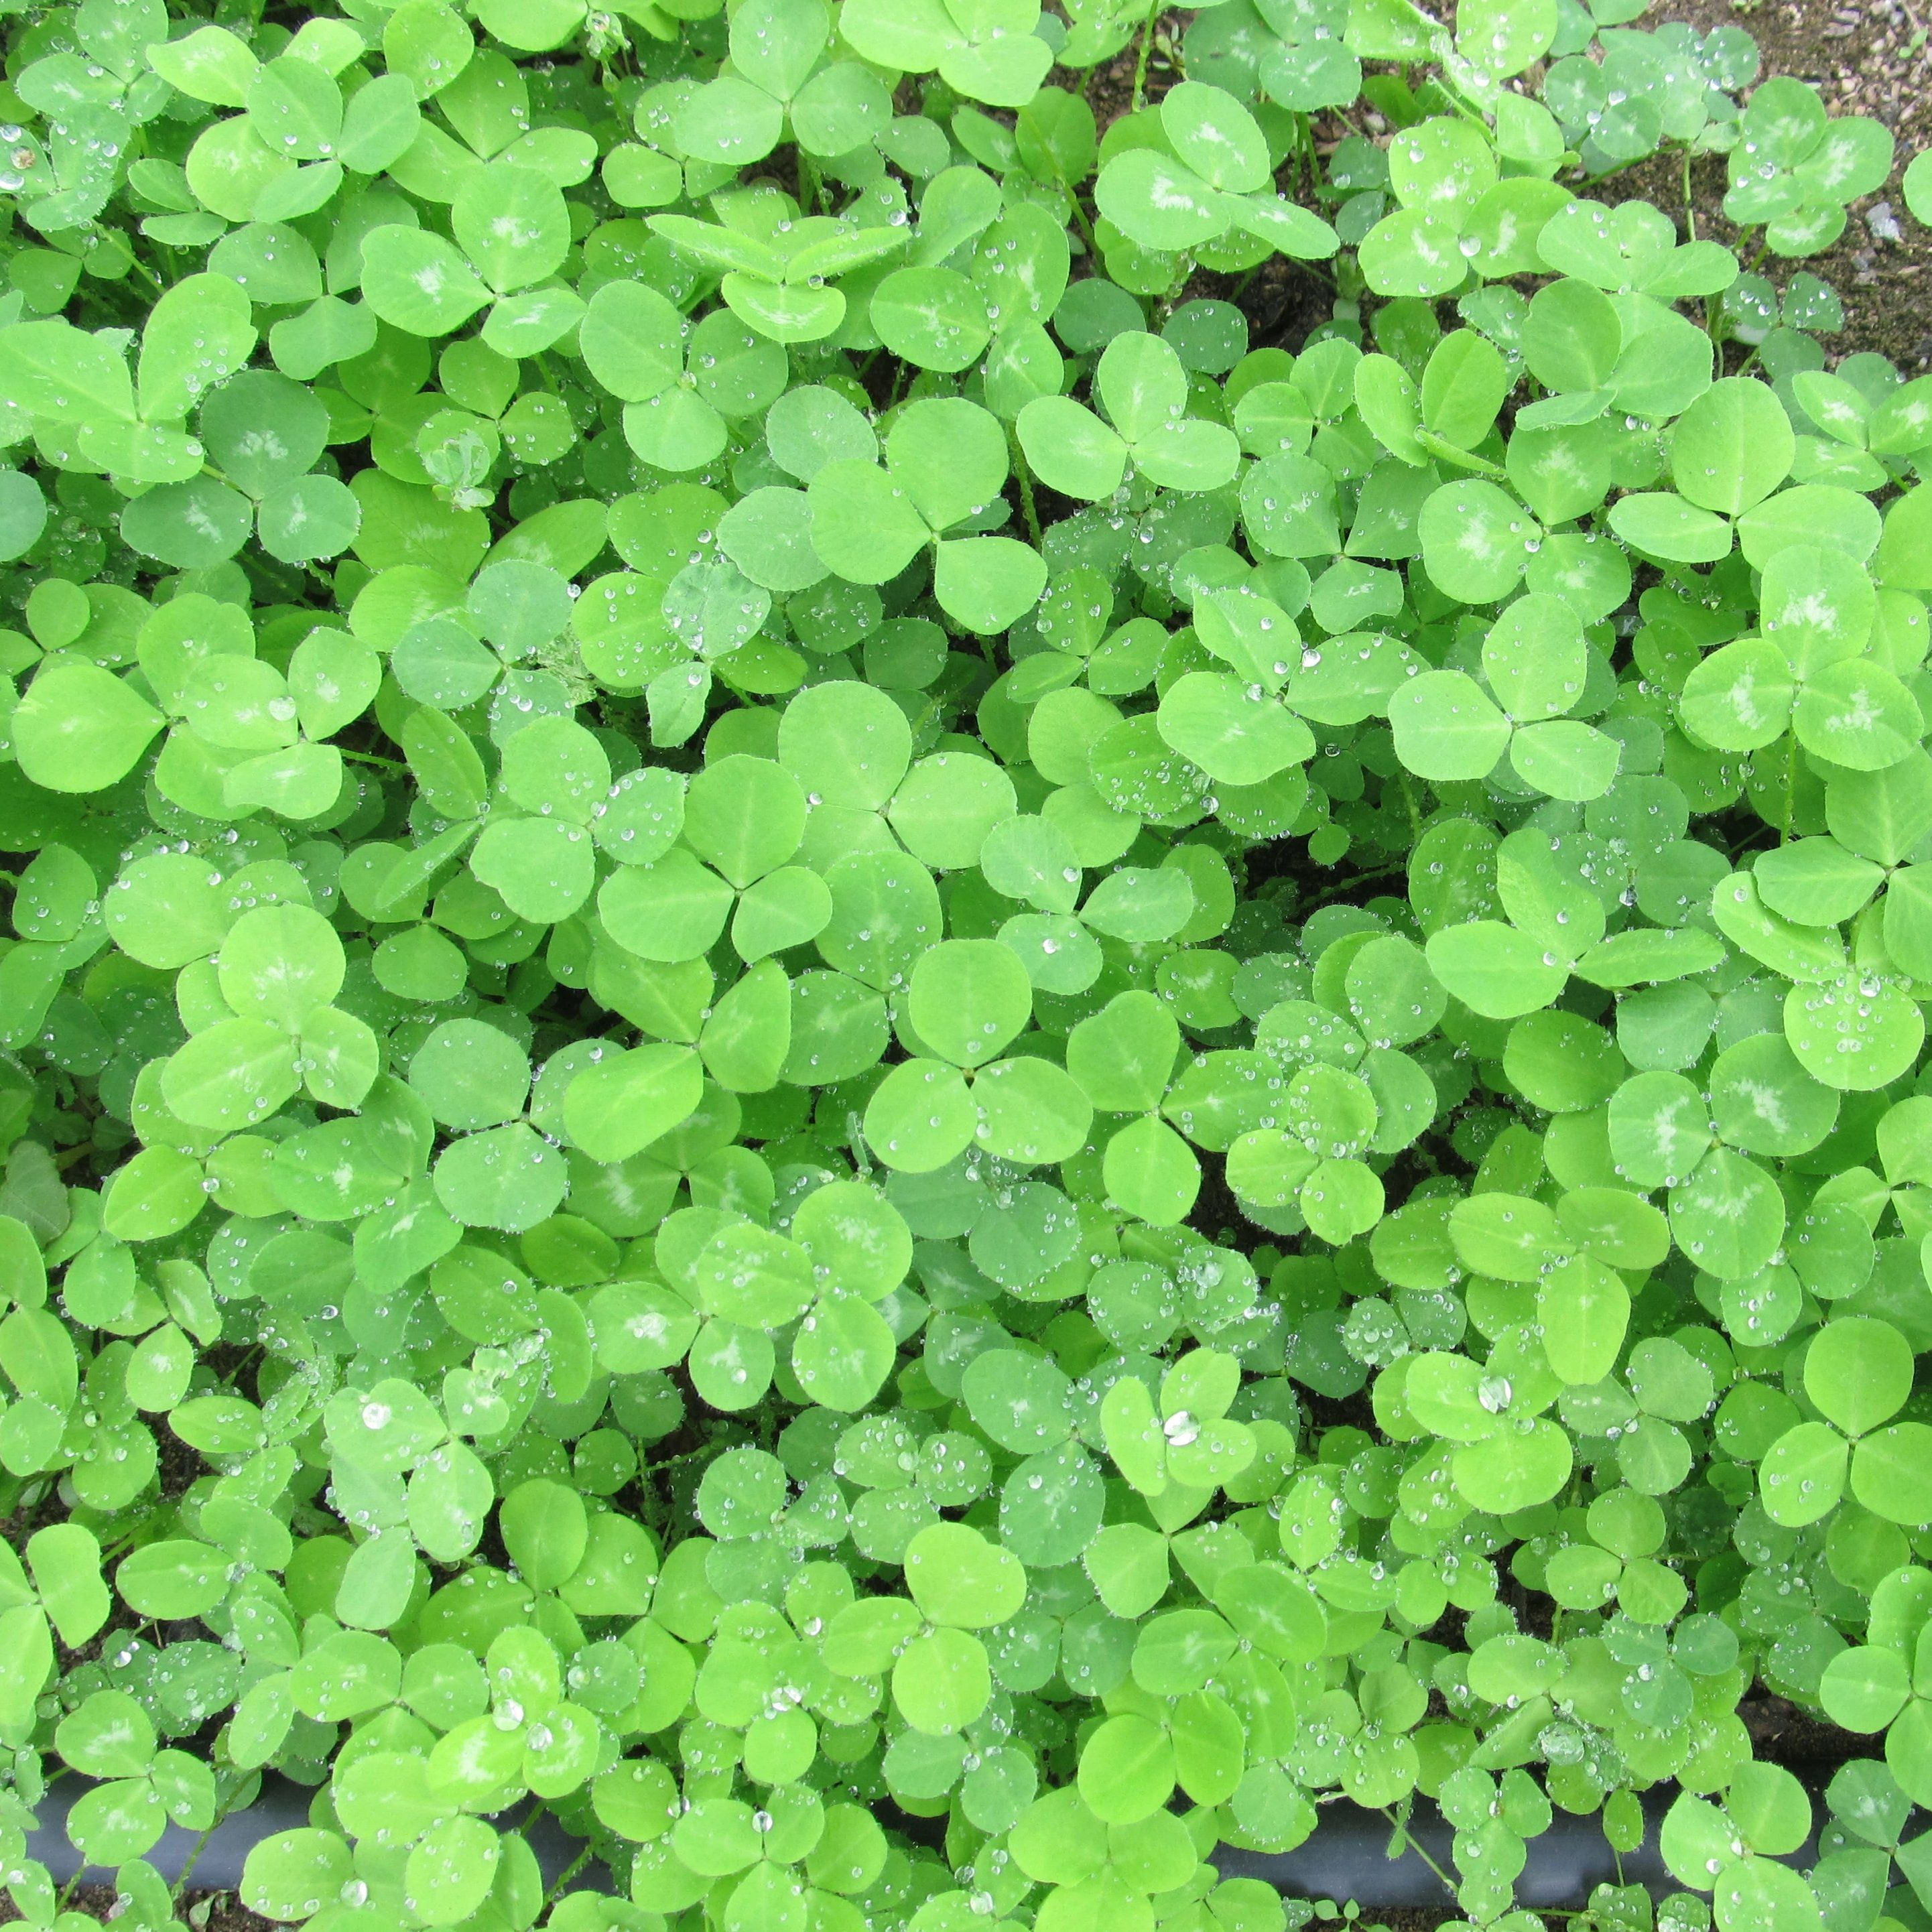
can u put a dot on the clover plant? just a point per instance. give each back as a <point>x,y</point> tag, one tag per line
<point>826,1040</point>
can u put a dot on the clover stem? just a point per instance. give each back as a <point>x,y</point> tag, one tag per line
<point>141,267</point>
<point>1416,1846</point>
<point>1689,206</point>
<point>1175,290</point>
<point>234,1375</point>
<point>1025,478</point>
<point>1409,800</point>
<point>569,1872</point>
<point>1304,128</point>
<point>370,758</point>
<point>1141,55</point>
<point>1350,884</point>
<point>1080,216</point>
<point>812,186</point>
<point>189,1863</point>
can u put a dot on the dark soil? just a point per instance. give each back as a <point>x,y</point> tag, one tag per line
<point>1868,57</point>
<point>1782,1732</point>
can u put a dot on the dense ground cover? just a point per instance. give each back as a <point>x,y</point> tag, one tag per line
<point>829,1038</point>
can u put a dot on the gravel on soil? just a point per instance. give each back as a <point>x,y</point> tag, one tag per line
<point>1867,57</point>
<point>1874,59</point>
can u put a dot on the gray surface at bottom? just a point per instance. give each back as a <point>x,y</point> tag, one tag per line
<point>1348,1857</point>
<point>282,1806</point>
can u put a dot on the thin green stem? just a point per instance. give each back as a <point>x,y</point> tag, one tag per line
<point>1608,174</point>
<point>1145,48</point>
<point>1415,811</point>
<point>159,286</point>
<point>1349,884</point>
<point>1080,217</point>
<point>1305,132</point>
<point>568,1873</point>
<point>233,1378</point>
<point>1072,190</point>
<point>1025,475</point>
<point>370,758</point>
<point>189,1863</point>
<point>1183,273</point>
<point>1416,1845</point>
<point>1689,206</point>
